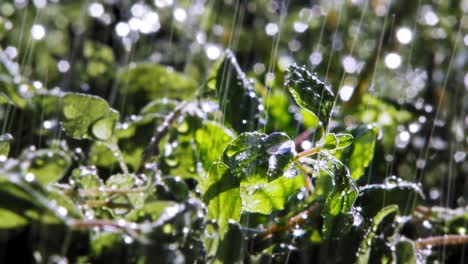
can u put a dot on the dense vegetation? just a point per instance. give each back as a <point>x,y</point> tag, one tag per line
<point>233,131</point>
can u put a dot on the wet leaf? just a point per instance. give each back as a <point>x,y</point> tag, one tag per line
<point>86,178</point>
<point>212,139</point>
<point>232,246</point>
<point>242,107</point>
<point>25,201</point>
<point>340,198</point>
<point>344,140</point>
<point>87,116</point>
<point>256,158</point>
<point>125,182</point>
<point>358,156</point>
<point>366,245</point>
<point>5,140</point>
<point>310,92</point>
<point>405,195</point>
<point>405,252</point>
<point>143,82</point>
<point>47,165</point>
<point>220,191</point>
<point>271,196</point>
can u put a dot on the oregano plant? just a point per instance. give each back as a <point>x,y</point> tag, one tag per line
<point>145,154</point>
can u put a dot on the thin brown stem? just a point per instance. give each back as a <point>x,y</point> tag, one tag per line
<point>153,148</point>
<point>294,221</point>
<point>107,203</point>
<point>84,224</point>
<point>441,241</point>
<point>99,191</point>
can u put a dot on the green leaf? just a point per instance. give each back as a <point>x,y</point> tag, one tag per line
<point>344,140</point>
<point>256,158</point>
<point>358,157</point>
<point>394,191</point>
<point>5,140</point>
<point>241,106</point>
<point>23,201</point>
<point>333,141</point>
<point>88,116</point>
<point>126,182</point>
<point>212,139</point>
<point>143,82</point>
<point>11,219</point>
<point>232,246</point>
<point>86,178</point>
<point>365,248</point>
<point>330,141</point>
<point>271,196</point>
<point>47,165</point>
<point>310,93</point>
<point>405,251</point>
<point>220,191</point>
<point>339,200</point>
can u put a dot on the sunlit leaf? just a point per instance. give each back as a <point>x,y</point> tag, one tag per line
<point>47,165</point>
<point>394,191</point>
<point>366,244</point>
<point>212,139</point>
<point>340,198</point>
<point>241,106</point>
<point>88,116</point>
<point>358,156</point>
<point>5,140</point>
<point>405,252</point>
<point>310,92</point>
<point>271,196</point>
<point>221,191</point>
<point>258,158</point>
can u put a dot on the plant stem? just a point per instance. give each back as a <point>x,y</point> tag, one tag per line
<point>98,191</point>
<point>160,132</point>
<point>294,221</point>
<point>107,203</point>
<point>83,224</point>
<point>118,155</point>
<point>308,152</point>
<point>441,241</point>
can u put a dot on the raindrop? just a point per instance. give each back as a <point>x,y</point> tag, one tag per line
<point>180,14</point>
<point>349,64</point>
<point>404,35</point>
<point>346,92</point>
<point>434,194</point>
<point>300,27</point>
<point>393,60</point>
<point>271,29</point>
<point>298,232</point>
<point>11,52</point>
<point>38,32</point>
<point>459,156</point>
<point>212,51</point>
<point>163,3</point>
<point>414,127</point>
<point>96,9</point>
<point>29,177</point>
<point>315,58</point>
<point>127,239</point>
<point>431,18</point>
<point>122,29</point>
<point>306,144</point>
<point>62,211</point>
<point>63,66</point>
